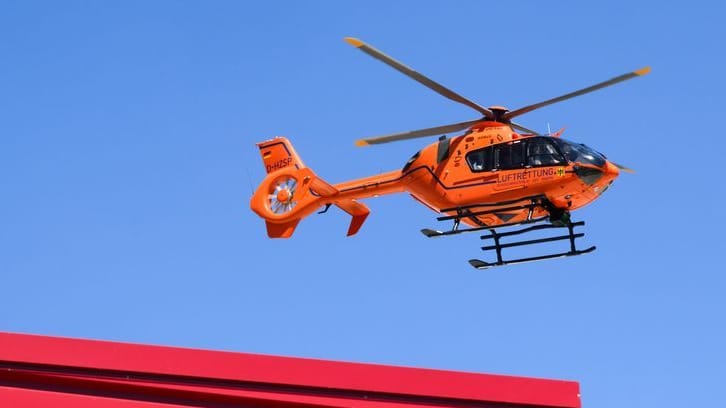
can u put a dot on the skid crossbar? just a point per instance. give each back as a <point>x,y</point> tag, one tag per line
<point>498,246</point>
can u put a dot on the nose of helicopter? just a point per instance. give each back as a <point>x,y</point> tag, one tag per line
<point>611,171</point>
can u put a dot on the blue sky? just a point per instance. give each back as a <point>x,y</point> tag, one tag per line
<point>127,161</point>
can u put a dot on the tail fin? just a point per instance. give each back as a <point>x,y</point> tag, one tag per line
<point>278,154</point>
<point>292,191</point>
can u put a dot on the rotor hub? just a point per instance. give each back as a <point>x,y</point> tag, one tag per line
<point>284,196</point>
<point>280,200</point>
<point>498,112</point>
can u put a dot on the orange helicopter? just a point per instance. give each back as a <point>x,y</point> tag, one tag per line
<point>490,178</point>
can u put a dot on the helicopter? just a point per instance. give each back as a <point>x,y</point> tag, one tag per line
<point>498,177</point>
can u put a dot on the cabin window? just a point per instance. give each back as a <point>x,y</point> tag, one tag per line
<point>534,152</point>
<point>510,156</point>
<point>481,160</point>
<point>541,152</point>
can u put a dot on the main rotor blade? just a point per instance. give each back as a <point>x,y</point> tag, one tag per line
<point>412,134</point>
<point>623,168</point>
<point>524,129</point>
<point>613,81</point>
<point>417,76</point>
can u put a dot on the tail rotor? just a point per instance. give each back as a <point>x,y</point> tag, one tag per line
<point>281,199</point>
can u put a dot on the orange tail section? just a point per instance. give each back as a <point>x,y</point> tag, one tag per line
<point>278,154</point>
<point>358,211</point>
<point>291,192</point>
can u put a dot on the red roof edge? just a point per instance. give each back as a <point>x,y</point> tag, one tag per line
<point>38,370</point>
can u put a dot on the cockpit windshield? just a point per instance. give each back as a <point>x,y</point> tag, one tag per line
<point>577,152</point>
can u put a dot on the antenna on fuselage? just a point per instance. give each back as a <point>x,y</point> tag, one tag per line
<point>549,131</point>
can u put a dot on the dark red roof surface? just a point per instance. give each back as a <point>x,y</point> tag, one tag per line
<point>52,371</point>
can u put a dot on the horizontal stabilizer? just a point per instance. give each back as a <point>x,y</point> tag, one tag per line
<point>357,210</point>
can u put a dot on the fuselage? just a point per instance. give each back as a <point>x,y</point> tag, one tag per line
<point>491,165</point>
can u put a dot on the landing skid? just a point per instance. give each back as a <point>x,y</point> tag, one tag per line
<point>431,233</point>
<point>479,264</point>
<point>498,246</point>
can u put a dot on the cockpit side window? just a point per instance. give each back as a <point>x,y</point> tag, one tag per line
<point>577,152</point>
<point>542,152</point>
